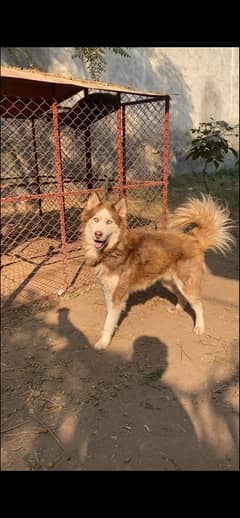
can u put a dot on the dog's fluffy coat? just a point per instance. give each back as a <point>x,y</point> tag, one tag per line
<point>127,260</point>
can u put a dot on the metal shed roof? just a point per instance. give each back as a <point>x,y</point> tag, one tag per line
<point>25,83</point>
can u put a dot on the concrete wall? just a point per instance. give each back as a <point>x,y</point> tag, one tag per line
<point>202,81</point>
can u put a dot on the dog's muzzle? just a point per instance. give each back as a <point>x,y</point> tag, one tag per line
<point>99,244</point>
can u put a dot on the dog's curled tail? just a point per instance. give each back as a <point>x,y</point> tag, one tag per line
<point>208,222</point>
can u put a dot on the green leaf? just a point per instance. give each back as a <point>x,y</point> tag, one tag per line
<point>210,142</point>
<point>119,50</point>
<point>94,58</point>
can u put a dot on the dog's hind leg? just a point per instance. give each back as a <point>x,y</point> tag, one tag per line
<point>196,304</point>
<point>181,301</point>
<point>191,292</point>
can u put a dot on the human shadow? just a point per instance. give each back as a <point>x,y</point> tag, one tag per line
<point>115,414</point>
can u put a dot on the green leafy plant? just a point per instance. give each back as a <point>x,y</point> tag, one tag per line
<point>94,58</point>
<point>210,143</point>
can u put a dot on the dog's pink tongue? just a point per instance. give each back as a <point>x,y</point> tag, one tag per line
<point>98,245</point>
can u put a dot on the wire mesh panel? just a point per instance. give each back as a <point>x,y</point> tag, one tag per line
<point>144,154</point>
<point>53,155</point>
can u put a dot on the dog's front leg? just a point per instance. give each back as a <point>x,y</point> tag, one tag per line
<point>108,298</point>
<point>109,284</point>
<point>109,326</point>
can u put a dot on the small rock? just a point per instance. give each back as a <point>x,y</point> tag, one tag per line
<point>147,428</point>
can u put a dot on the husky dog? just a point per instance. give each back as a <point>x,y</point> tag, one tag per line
<point>126,260</point>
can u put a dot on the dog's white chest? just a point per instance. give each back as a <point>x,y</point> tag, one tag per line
<point>108,280</point>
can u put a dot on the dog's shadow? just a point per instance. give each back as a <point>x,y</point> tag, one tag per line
<point>156,290</point>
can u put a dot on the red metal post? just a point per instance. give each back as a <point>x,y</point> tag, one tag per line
<point>36,165</point>
<point>121,149</point>
<point>88,150</point>
<point>165,165</point>
<point>58,165</point>
<point>87,134</point>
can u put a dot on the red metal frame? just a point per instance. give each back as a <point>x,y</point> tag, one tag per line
<point>36,165</point>
<point>88,155</point>
<point>165,165</point>
<point>121,148</point>
<point>58,165</point>
<point>148,100</point>
<point>62,194</point>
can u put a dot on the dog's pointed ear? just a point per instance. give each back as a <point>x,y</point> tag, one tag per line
<point>121,208</point>
<point>93,201</point>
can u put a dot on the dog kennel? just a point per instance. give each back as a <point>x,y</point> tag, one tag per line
<point>63,138</point>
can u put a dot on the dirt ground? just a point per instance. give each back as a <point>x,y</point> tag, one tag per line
<point>160,398</point>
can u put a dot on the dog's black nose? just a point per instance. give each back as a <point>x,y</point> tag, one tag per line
<point>98,234</point>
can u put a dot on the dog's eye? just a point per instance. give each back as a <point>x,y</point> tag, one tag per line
<point>96,220</point>
<point>109,221</point>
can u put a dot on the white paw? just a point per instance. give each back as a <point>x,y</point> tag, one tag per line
<point>198,330</point>
<point>101,344</point>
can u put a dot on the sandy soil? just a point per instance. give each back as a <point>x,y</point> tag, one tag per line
<point>160,398</point>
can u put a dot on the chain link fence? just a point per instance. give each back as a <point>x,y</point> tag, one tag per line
<point>53,155</point>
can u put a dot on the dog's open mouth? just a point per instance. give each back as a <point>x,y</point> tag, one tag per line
<point>99,244</point>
